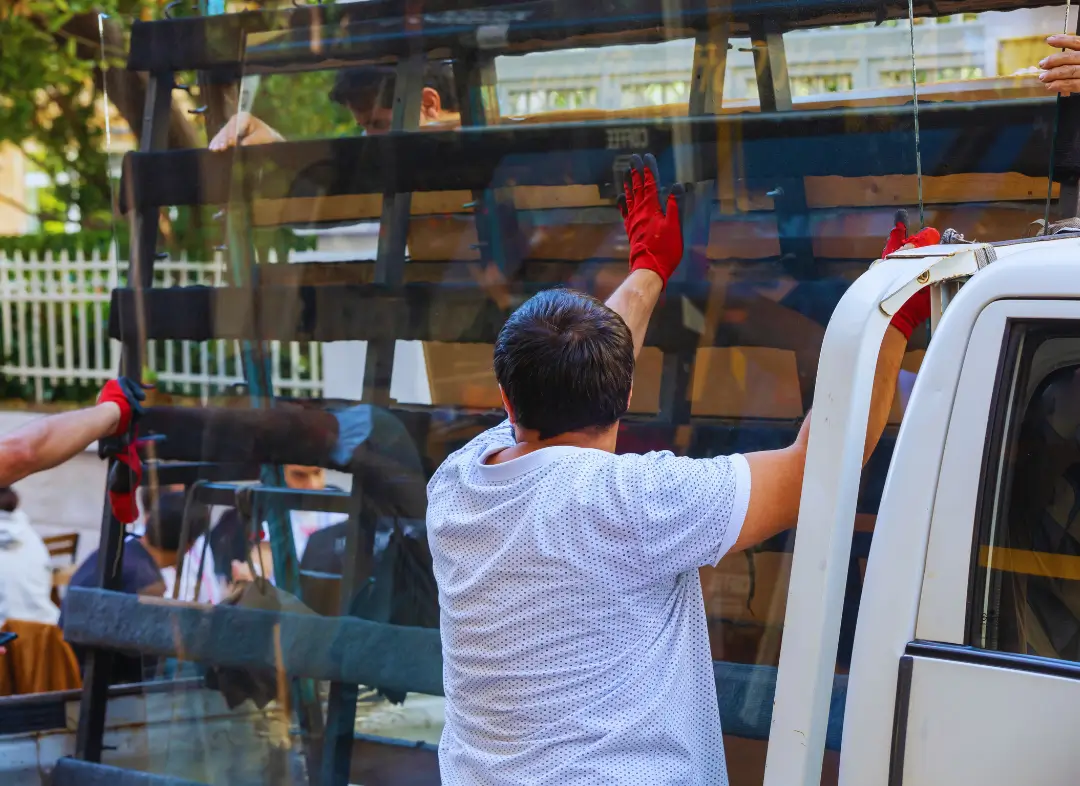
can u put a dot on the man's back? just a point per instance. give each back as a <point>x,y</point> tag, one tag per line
<point>573,627</point>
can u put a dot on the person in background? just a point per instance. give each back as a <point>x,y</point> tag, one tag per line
<point>228,537</point>
<point>368,93</point>
<point>25,567</point>
<point>144,560</point>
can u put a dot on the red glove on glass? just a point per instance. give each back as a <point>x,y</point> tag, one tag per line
<point>126,394</point>
<point>651,218</point>
<point>917,309</point>
<point>125,484</point>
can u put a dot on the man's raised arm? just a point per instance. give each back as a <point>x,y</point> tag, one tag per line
<point>651,217</point>
<point>48,441</point>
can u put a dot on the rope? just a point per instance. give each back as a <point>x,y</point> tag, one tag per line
<point>915,96</point>
<point>1053,141</point>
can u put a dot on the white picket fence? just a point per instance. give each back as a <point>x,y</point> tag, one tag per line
<point>54,319</point>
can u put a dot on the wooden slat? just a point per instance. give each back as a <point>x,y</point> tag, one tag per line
<point>821,192</point>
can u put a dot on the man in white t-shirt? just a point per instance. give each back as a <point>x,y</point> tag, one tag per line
<point>573,627</point>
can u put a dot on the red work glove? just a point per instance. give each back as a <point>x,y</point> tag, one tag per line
<point>651,218</point>
<point>124,486</point>
<point>917,309</point>
<point>126,394</point>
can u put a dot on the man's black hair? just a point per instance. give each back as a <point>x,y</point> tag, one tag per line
<point>165,521</point>
<point>565,362</point>
<point>369,86</point>
<point>9,500</point>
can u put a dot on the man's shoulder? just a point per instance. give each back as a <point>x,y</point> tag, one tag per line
<point>501,435</point>
<point>138,569</point>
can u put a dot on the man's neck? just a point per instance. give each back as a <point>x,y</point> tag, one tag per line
<point>529,441</point>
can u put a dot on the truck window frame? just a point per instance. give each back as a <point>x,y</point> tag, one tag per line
<point>1022,339</point>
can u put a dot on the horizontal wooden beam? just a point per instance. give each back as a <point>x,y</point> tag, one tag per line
<point>821,192</point>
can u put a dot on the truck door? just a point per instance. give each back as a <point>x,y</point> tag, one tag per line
<point>966,667</point>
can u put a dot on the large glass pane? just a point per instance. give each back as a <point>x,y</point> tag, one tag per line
<point>349,204</point>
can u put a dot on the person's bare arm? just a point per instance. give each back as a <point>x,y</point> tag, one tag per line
<point>52,440</point>
<point>775,489</point>
<point>634,301</point>
<point>890,357</point>
<point>776,475</point>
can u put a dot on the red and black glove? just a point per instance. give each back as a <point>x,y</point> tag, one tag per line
<point>124,484</point>
<point>127,395</point>
<point>917,309</point>
<point>651,217</point>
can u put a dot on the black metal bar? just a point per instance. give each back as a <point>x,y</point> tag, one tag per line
<point>357,568</point>
<point>154,136</point>
<point>770,63</point>
<point>500,242</point>
<point>342,649</point>
<point>858,143</point>
<point>72,772</point>
<point>900,721</point>
<point>974,656</point>
<point>97,672</point>
<point>706,98</point>
<point>189,472</point>
<point>283,497</point>
<point>389,656</point>
<point>98,665</point>
<point>334,314</point>
<point>394,224</point>
<point>376,30</point>
<point>788,192</point>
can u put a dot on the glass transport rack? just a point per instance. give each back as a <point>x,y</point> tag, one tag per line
<point>409,172</point>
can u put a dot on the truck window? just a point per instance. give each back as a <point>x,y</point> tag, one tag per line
<point>1026,592</point>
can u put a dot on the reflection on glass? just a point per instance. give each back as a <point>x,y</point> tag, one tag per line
<point>802,148</point>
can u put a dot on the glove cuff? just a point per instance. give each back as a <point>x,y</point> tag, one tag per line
<point>644,260</point>
<point>913,313</point>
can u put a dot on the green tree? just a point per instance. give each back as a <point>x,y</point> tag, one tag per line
<point>52,87</point>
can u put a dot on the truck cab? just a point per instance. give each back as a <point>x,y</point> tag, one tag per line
<point>963,668</point>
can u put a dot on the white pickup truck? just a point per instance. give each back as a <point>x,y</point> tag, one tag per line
<point>974,560</point>
<point>965,666</point>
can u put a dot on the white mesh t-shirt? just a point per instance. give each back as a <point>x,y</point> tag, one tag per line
<point>575,647</point>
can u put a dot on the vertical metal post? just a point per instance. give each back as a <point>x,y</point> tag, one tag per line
<point>706,98</point>
<point>788,193</point>
<point>357,569</point>
<point>394,225</point>
<point>244,273</point>
<point>357,565</point>
<point>98,667</point>
<point>499,238</point>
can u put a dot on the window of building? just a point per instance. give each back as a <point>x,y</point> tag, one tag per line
<point>551,99</point>
<point>902,77</point>
<point>1026,593</point>
<point>654,93</point>
<point>820,83</point>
